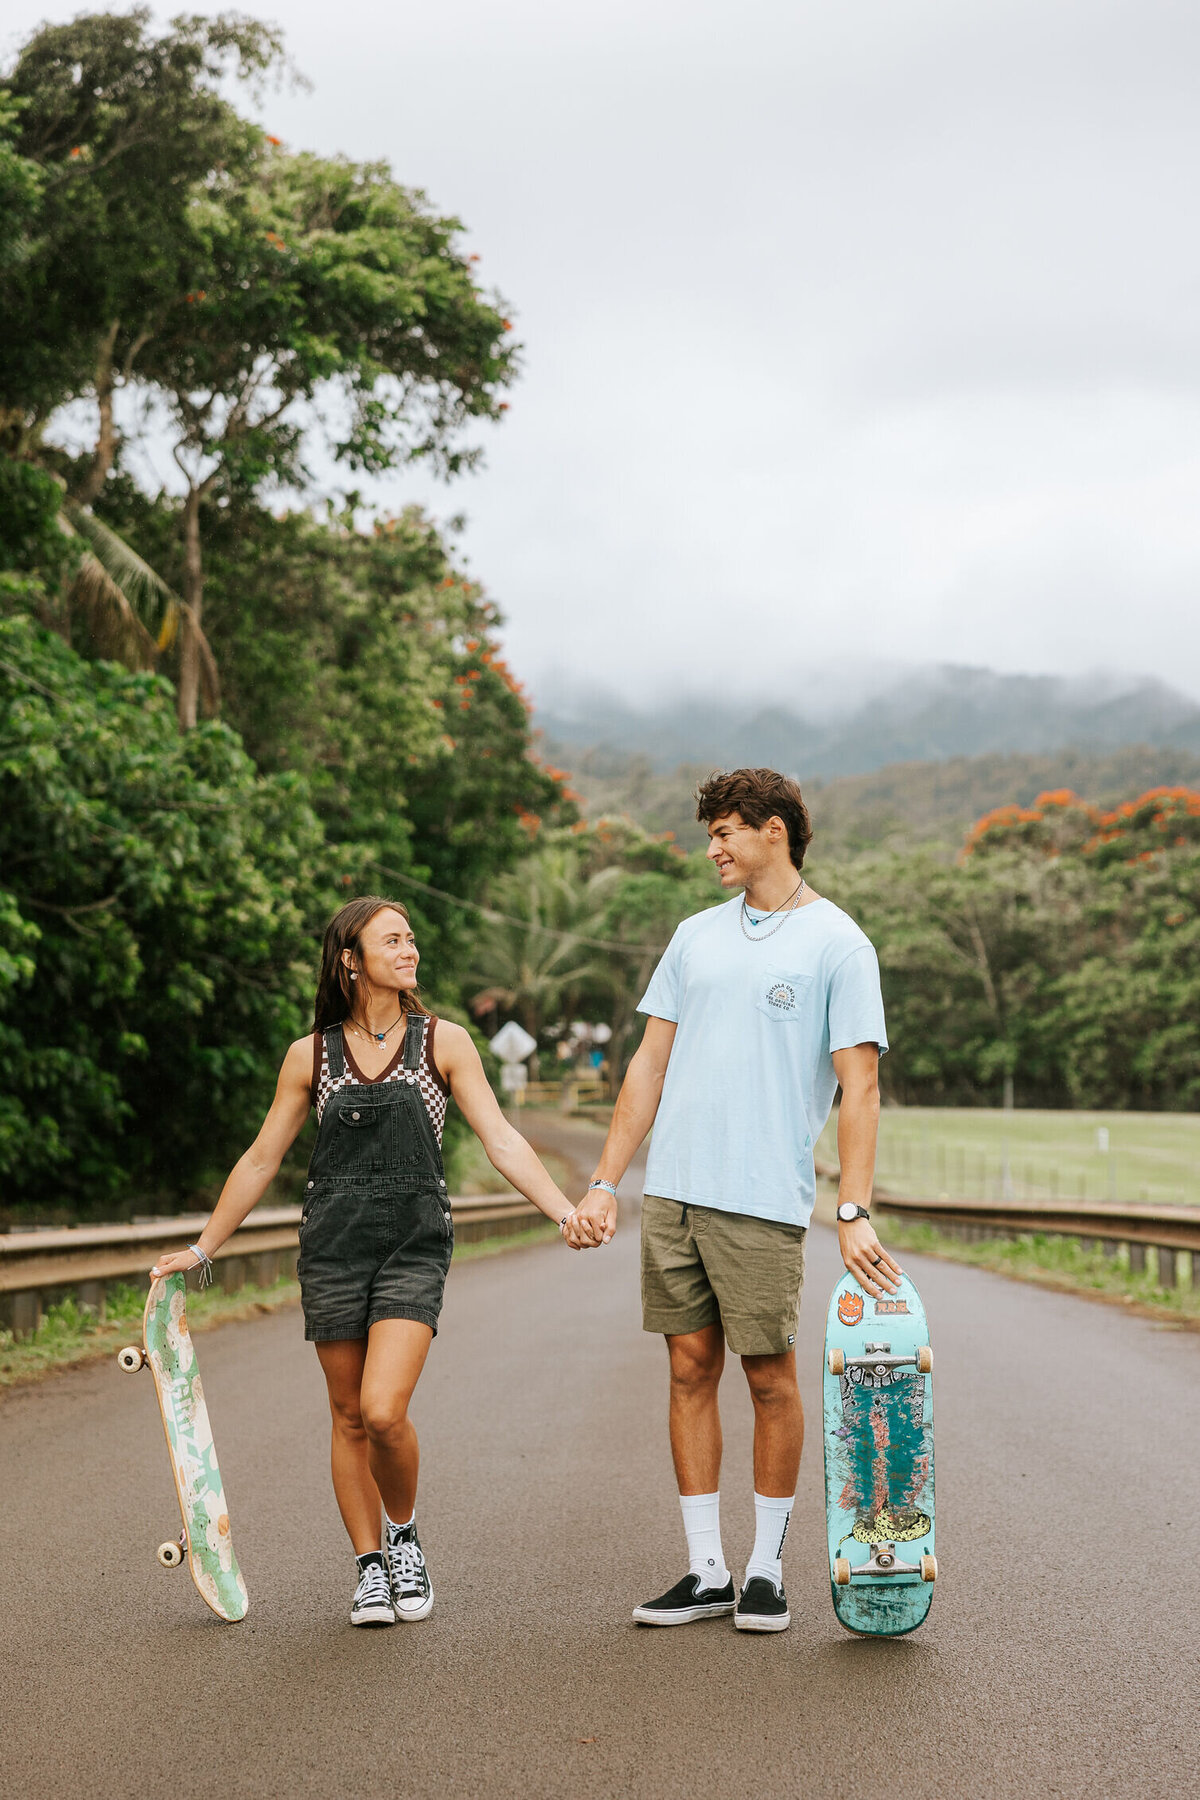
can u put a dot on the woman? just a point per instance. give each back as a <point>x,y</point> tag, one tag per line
<point>376,1232</point>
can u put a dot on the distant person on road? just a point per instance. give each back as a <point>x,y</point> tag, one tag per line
<point>376,1232</point>
<point>756,1012</point>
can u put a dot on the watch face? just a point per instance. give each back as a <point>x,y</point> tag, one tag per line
<point>847,1211</point>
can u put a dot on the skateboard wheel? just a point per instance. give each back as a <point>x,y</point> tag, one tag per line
<point>929,1568</point>
<point>131,1358</point>
<point>170,1555</point>
<point>837,1364</point>
<point>841,1566</point>
<point>924,1360</point>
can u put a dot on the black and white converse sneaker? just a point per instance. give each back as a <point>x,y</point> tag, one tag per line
<point>686,1602</point>
<point>412,1590</point>
<point>762,1607</point>
<point>372,1603</point>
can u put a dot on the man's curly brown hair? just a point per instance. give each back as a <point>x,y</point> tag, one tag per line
<point>758,795</point>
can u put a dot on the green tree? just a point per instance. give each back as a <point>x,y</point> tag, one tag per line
<point>364,661</point>
<point>125,130</point>
<point>159,920</point>
<point>531,956</point>
<point>317,278</point>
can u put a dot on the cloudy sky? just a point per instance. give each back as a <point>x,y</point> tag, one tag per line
<point>856,330</point>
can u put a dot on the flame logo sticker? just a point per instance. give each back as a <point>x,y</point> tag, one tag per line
<point>850,1309</point>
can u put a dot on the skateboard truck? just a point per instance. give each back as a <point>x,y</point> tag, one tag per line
<point>883,1561</point>
<point>879,1356</point>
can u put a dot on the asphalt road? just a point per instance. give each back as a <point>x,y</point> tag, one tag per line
<point>1060,1657</point>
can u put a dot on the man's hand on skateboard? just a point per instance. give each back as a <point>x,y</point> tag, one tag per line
<point>867,1260</point>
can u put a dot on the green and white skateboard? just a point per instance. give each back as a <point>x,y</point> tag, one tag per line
<point>879,1459</point>
<point>168,1351</point>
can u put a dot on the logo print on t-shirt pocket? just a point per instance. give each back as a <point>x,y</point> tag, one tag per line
<point>782,996</point>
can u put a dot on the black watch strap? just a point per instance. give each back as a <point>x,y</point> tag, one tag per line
<point>860,1212</point>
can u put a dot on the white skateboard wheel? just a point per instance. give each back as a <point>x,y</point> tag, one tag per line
<point>837,1361</point>
<point>131,1358</point>
<point>170,1555</point>
<point>841,1571</point>
<point>929,1568</point>
<point>924,1360</point>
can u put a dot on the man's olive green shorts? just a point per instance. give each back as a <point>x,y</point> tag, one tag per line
<point>703,1267</point>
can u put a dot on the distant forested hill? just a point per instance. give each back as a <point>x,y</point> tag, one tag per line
<point>929,801</point>
<point>925,715</point>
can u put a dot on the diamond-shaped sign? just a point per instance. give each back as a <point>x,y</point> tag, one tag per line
<point>512,1043</point>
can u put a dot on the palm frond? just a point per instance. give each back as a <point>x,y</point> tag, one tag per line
<point>129,611</point>
<point>146,593</point>
<point>113,627</point>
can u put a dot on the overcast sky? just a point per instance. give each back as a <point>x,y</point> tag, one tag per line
<point>854,329</point>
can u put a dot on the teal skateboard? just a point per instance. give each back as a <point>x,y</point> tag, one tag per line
<point>878,1396</point>
<point>167,1350</point>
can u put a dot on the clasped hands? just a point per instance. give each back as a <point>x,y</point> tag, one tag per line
<point>593,1221</point>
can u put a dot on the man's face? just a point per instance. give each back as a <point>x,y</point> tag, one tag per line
<point>739,850</point>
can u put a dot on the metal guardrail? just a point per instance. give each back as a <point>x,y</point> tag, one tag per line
<point>38,1268</point>
<point>567,1094</point>
<point>1173,1232</point>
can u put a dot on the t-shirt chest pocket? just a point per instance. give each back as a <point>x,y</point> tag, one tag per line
<point>783,996</point>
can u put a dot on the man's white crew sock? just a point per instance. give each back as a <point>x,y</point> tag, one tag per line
<point>770,1528</point>
<point>702,1522</point>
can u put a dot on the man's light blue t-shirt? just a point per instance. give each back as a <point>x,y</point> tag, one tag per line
<point>750,1082</point>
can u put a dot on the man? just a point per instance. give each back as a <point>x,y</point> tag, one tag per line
<point>757,1011</point>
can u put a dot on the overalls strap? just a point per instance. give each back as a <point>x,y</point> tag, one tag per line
<point>335,1050</point>
<point>413,1039</point>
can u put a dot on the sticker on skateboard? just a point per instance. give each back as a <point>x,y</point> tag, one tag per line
<point>168,1351</point>
<point>878,1412</point>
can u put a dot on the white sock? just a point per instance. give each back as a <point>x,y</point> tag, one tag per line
<point>770,1528</point>
<point>392,1524</point>
<point>702,1522</point>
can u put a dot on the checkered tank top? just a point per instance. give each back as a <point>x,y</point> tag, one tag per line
<point>425,1077</point>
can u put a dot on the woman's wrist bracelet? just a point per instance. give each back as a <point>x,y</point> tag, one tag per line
<point>205,1265</point>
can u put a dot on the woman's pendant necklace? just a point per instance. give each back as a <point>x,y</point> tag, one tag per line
<point>380,1037</point>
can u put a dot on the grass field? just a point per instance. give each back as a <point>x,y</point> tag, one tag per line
<point>978,1153</point>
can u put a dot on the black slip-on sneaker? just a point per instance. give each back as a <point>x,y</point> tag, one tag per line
<point>762,1607</point>
<point>686,1602</point>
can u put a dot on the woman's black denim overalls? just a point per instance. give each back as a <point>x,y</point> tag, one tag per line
<point>376,1233</point>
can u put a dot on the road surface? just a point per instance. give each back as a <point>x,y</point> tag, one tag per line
<point>1059,1658</point>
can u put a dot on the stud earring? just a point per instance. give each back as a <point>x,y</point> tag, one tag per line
<point>354,974</point>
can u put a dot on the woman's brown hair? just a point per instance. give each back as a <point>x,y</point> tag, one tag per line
<point>335,990</point>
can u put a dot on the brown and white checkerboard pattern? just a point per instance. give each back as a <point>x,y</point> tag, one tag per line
<point>422,1077</point>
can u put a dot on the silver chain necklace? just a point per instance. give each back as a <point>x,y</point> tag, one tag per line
<point>756,937</point>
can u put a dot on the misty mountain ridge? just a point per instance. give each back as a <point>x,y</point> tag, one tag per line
<point>924,715</point>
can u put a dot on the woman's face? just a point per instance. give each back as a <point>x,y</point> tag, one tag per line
<point>387,951</point>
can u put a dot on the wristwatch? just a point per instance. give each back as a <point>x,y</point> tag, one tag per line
<point>847,1212</point>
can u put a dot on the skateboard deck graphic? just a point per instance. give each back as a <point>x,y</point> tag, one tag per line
<point>878,1407</point>
<point>171,1356</point>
